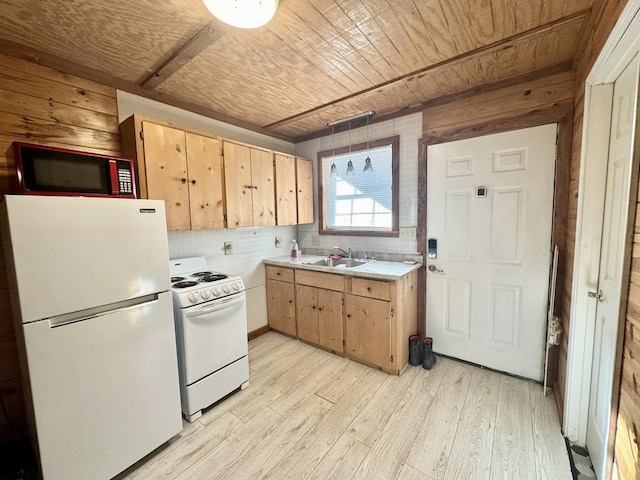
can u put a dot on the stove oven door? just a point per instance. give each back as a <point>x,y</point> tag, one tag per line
<point>214,335</point>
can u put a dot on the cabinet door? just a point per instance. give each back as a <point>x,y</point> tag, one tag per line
<point>205,182</point>
<point>286,190</point>
<point>330,324</point>
<point>281,306</point>
<point>368,330</point>
<point>307,313</point>
<point>264,193</point>
<point>237,176</point>
<point>166,170</point>
<point>304,182</point>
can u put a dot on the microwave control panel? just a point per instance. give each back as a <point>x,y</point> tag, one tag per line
<point>125,182</point>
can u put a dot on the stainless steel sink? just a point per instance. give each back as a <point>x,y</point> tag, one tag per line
<point>341,262</point>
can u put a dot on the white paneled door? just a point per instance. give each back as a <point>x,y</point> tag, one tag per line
<point>607,294</point>
<point>490,210</point>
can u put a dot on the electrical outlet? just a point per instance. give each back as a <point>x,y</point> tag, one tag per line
<point>315,240</point>
<point>408,233</point>
<point>228,248</point>
<point>278,242</point>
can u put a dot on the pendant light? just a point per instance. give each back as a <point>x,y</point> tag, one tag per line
<point>350,169</point>
<point>334,170</point>
<point>367,161</point>
<point>243,13</point>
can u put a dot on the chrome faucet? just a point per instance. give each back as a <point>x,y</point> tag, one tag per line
<point>348,254</point>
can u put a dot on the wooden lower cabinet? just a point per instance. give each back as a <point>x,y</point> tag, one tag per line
<point>369,320</point>
<point>319,317</point>
<point>368,330</point>
<point>281,300</point>
<point>379,318</point>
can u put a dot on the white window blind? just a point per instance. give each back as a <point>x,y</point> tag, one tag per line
<point>360,201</point>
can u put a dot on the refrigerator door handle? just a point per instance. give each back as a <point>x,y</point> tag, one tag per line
<point>97,312</point>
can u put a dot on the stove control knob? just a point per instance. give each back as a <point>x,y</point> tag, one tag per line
<point>236,286</point>
<point>193,297</point>
<point>216,291</point>
<point>205,294</point>
<point>226,288</point>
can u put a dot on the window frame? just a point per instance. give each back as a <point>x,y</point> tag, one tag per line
<point>395,188</point>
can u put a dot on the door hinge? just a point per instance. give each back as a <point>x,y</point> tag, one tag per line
<point>274,162</point>
<point>391,359</point>
<point>392,312</point>
<point>343,343</point>
<point>225,217</point>
<point>141,135</point>
<point>342,301</point>
<point>221,152</point>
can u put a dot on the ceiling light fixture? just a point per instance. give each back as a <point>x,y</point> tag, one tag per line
<point>367,161</point>
<point>334,170</point>
<point>243,13</point>
<point>350,169</point>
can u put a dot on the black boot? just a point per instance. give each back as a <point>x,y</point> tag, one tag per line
<point>429,359</point>
<point>415,353</point>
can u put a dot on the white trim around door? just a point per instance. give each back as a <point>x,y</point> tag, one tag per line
<point>620,48</point>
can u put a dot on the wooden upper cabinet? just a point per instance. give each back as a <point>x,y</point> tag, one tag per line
<point>237,176</point>
<point>206,191</point>
<point>304,182</point>
<point>249,181</point>
<point>184,169</point>
<point>165,164</point>
<point>286,202</point>
<point>264,197</point>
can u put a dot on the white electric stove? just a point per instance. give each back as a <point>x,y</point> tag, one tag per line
<point>211,332</point>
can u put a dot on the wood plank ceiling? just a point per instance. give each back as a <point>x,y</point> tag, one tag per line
<point>316,62</point>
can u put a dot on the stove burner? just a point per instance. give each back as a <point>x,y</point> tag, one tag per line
<point>214,277</point>
<point>200,274</point>
<point>184,284</point>
<point>176,279</point>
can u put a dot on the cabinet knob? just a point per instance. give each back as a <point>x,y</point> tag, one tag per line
<point>348,315</point>
<point>193,182</point>
<point>313,308</point>
<point>183,180</point>
<point>248,186</point>
<point>368,289</point>
<point>255,187</point>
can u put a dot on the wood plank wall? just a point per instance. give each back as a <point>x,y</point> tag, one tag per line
<point>41,105</point>
<point>605,14</point>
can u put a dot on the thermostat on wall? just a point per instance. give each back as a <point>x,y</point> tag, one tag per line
<point>481,192</point>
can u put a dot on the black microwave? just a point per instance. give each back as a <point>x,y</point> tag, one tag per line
<point>43,170</point>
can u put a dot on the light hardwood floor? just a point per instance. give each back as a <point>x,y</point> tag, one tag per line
<point>309,414</point>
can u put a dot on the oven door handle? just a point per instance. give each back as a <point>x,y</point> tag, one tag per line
<point>222,306</point>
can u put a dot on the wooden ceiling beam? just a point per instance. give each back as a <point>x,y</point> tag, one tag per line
<point>12,49</point>
<point>490,48</point>
<point>191,49</point>
<point>472,92</point>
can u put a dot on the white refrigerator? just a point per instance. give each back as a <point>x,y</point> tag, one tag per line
<point>89,285</point>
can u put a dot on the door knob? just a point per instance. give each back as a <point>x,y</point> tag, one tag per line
<point>599,295</point>
<point>433,268</point>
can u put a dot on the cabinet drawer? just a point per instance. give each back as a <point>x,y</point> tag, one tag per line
<point>279,273</point>
<point>328,281</point>
<point>371,288</point>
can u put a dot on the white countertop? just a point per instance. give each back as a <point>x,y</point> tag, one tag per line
<point>372,269</point>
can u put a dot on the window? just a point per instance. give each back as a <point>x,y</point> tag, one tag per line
<point>365,203</point>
